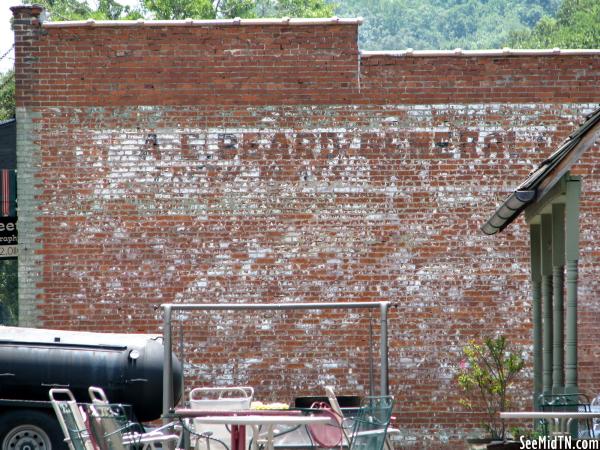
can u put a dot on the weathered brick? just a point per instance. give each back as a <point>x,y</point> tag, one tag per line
<point>275,163</point>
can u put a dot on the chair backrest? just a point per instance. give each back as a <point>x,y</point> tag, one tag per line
<point>219,399</point>
<point>346,423</point>
<point>115,428</point>
<point>333,402</point>
<point>71,419</point>
<point>111,427</point>
<point>564,402</point>
<point>109,423</point>
<point>370,427</point>
<point>346,413</point>
<point>97,395</point>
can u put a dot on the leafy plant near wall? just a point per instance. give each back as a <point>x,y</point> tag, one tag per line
<point>8,292</point>
<point>485,375</point>
<point>7,95</point>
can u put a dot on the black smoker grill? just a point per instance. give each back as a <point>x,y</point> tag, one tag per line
<point>129,367</point>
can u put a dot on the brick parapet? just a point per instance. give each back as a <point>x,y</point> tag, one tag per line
<point>484,78</point>
<point>277,64</point>
<point>200,65</point>
<point>27,21</point>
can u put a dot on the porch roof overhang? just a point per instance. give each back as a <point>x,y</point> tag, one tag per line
<point>541,180</point>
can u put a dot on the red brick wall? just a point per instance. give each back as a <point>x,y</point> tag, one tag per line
<point>467,79</point>
<point>273,163</point>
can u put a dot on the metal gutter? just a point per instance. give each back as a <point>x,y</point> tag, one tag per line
<point>546,175</point>
<point>508,211</point>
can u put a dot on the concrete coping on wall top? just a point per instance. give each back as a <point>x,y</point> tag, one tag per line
<point>191,22</point>
<point>496,52</point>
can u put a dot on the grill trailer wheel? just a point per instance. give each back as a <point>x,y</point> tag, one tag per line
<point>30,429</point>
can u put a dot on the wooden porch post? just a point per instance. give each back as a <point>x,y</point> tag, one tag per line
<point>558,281</point>
<point>546,264</point>
<point>536,290</point>
<point>572,254</point>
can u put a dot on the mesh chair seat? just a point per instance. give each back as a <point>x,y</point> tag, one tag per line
<point>370,426</point>
<point>113,428</point>
<point>347,416</point>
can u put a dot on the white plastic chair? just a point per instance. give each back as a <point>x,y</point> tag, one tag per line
<point>217,399</point>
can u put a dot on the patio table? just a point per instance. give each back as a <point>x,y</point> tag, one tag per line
<point>253,418</point>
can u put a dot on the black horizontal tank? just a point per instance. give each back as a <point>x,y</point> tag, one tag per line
<point>127,366</point>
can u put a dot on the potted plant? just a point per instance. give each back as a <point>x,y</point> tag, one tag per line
<point>485,375</point>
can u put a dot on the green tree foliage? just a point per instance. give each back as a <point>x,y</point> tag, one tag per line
<point>8,292</point>
<point>179,9</point>
<point>208,9</point>
<point>7,95</point>
<point>576,25</point>
<point>182,9</point>
<point>442,24</point>
<point>293,8</point>
<point>61,10</point>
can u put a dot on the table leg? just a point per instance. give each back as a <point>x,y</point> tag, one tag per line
<point>234,437</point>
<point>242,438</point>
<point>238,437</point>
<point>185,437</point>
<point>270,437</point>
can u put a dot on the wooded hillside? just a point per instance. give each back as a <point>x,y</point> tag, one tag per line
<point>475,24</point>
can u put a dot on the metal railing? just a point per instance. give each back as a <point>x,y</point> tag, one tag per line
<point>168,308</point>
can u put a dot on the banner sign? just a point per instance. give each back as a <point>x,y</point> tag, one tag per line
<point>8,237</point>
<point>8,193</point>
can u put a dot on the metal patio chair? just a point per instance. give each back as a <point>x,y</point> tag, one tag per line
<point>71,419</point>
<point>113,428</point>
<point>369,431</point>
<point>595,407</point>
<point>347,419</point>
<point>575,402</point>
